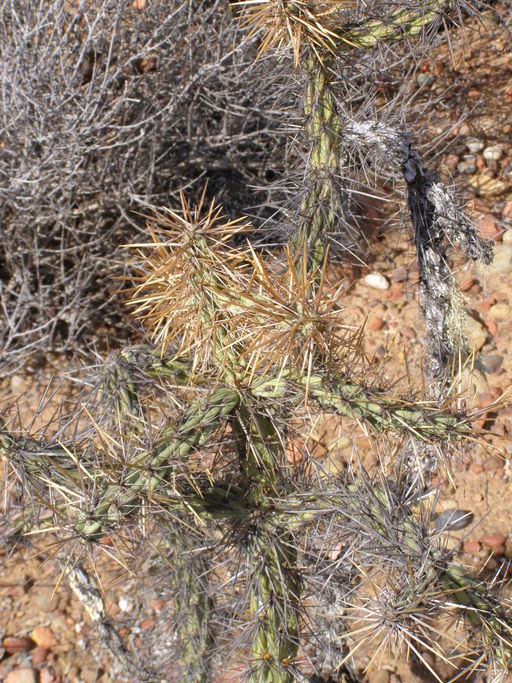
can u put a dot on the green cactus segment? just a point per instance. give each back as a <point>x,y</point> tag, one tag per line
<point>193,610</point>
<point>481,609</point>
<point>456,583</point>
<point>422,420</point>
<point>318,210</point>
<point>273,604</point>
<point>258,448</point>
<point>382,413</point>
<point>275,588</point>
<point>400,23</point>
<point>378,411</point>
<point>150,470</point>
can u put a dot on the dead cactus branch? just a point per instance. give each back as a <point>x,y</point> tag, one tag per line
<point>437,221</point>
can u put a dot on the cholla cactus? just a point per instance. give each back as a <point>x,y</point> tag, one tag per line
<point>189,441</point>
<point>233,508</point>
<point>319,33</point>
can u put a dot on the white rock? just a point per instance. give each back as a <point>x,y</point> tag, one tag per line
<point>376,280</point>
<point>493,153</point>
<point>507,237</point>
<point>474,144</point>
<point>475,333</point>
<point>502,262</point>
<point>125,604</point>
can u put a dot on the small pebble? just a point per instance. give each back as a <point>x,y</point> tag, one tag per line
<point>485,185</point>
<point>39,655</point>
<point>487,228</point>
<point>46,600</point>
<point>450,161</point>
<point>506,211</point>
<point>125,604</point>
<point>493,153</point>
<point>453,520</point>
<point>500,311</point>
<point>399,274</point>
<point>474,144</point>
<point>43,637</point>
<point>424,80</point>
<point>507,237</point>
<point>18,383</point>
<point>492,362</point>
<point>157,605</point>
<point>482,166</point>
<point>485,304</point>
<point>495,462</point>
<point>375,323</point>
<point>492,327</point>
<point>12,644</point>
<point>396,291</point>
<point>472,547</point>
<point>89,675</point>
<point>475,332</point>
<point>408,332</point>
<point>376,281</point>
<point>466,167</point>
<point>21,676</point>
<point>494,541</point>
<point>147,624</point>
<point>46,675</point>
<point>467,282</point>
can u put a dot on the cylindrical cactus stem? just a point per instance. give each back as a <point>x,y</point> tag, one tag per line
<point>273,603</point>
<point>381,412</point>
<point>150,469</point>
<point>318,210</point>
<point>55,466</point>
<point>258,448</point>
<point>275,586</point>
<point>423,420</point>
<point>456,583</point>
<point>482,610</point>
<point>193,605</point>
<point>401,22</point>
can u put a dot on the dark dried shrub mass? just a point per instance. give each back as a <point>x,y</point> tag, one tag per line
<point>106,109</point>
